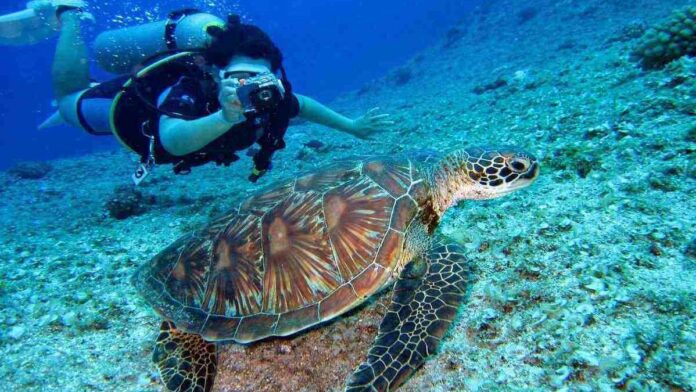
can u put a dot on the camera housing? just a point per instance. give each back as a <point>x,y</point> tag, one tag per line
<point>260,94</point>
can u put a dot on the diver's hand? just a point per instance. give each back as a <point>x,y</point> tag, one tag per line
<point>229,102</point>
<point>256,174</point>
<point>371,122</point>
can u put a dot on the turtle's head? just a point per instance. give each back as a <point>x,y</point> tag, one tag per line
<point>482,173</point>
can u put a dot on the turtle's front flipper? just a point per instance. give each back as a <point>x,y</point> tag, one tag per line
<point>425,301</point>
<point>186,362</point>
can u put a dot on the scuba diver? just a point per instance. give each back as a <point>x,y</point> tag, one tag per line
<point>194,89</point>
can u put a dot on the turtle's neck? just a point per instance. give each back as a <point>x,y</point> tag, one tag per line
<point>449,183</point>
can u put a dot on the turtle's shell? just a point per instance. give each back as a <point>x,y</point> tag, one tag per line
<point>291,256</point>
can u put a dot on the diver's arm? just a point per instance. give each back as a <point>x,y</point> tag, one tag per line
<point>362,127</point>
<point>180,137</point>
<point>315,112</point>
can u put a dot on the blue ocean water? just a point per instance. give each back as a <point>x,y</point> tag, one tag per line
<point>330,47</point>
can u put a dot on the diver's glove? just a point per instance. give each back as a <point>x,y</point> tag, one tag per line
<point>262,164</point>
<point>256,174</point>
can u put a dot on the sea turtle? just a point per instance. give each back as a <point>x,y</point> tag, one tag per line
<point>305,251</point>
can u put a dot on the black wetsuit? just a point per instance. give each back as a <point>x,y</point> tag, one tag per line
<point>194,98</point>
<point>137,125</point>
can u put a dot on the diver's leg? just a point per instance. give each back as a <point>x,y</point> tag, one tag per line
<point>70,71</point>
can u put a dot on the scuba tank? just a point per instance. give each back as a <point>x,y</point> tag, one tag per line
<point>120,51</point>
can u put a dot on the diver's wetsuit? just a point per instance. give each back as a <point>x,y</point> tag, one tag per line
<point>194,98</point>
<point>190,98</point>
<point>94,105</point>
<point>177,83</point>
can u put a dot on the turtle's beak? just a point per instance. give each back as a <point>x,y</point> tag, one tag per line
<point>524,180</point>
<point>532,173</point>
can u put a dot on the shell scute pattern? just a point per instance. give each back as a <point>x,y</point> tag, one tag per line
<point>234,285</point>
<point>335,304</point>
<point>297,319</point>
<point>254,327</point>
<point>394,177</point>
<point>292,256</point>
<point>188,276</point>
<point>357,217</point>
<point>219,328</point>
<point>391,246</point>
<point>299,267</point>
<point>267,198</point>
<point>335,174</point>
<point>367,283</point>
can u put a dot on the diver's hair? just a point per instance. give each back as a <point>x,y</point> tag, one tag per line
<point>241,39</point>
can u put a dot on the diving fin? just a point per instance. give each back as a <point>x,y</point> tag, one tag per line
<point>34,24</point>
<point>38,22</point>
<point>53,120</point>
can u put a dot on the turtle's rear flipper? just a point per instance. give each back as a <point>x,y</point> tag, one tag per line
<point>186,362</point>
<point>425,301</point>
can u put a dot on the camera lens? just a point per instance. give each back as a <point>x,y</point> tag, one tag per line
<point>265,95</point>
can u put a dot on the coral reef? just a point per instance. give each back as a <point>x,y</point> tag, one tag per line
<point>669,40</point>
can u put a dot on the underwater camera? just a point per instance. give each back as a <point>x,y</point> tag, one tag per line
<point>260,94</point>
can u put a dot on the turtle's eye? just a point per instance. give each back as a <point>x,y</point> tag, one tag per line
<point>519,164</point>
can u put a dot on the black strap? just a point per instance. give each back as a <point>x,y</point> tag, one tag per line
<point>83,121</point>
<point>173,20</point>
<point>105,90</point>
<point>270,141</point>
<point>273,138</point>
<point>140,85</point>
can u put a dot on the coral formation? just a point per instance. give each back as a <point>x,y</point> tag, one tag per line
<point>128,201</point>
<point>669,40</point>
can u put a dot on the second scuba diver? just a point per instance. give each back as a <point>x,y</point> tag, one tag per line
<point>187,107</point>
